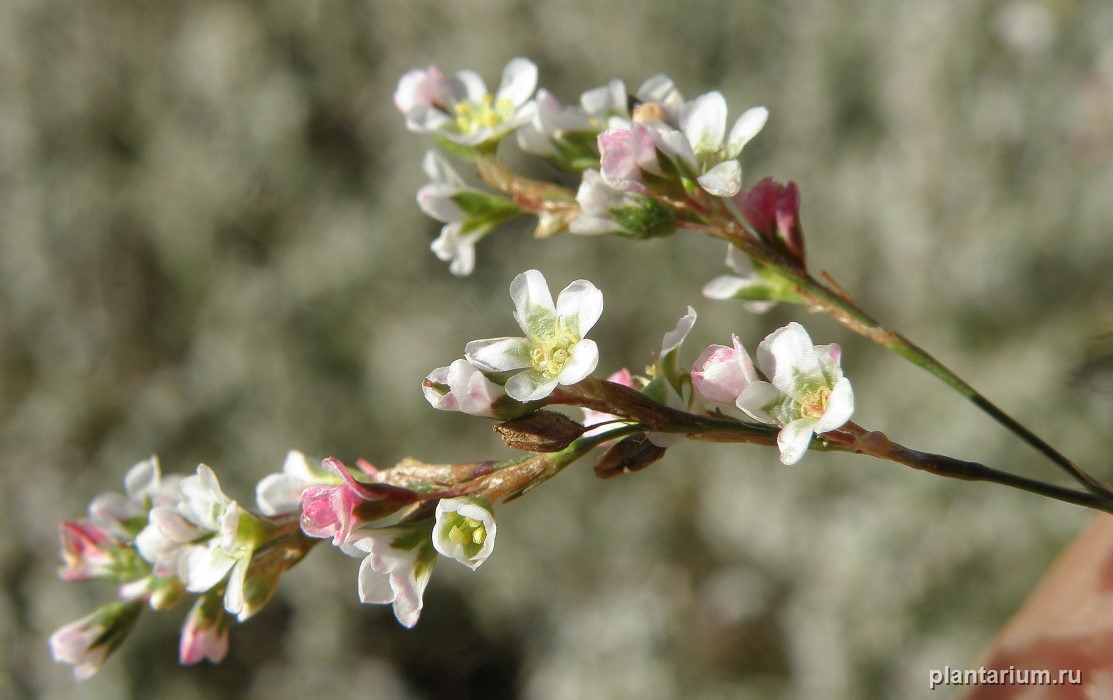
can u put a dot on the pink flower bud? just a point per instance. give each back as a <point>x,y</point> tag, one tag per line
<point>773,210</point>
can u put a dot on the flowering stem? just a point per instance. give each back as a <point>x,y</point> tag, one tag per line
<point>839,306</point>
<point>849,315</point>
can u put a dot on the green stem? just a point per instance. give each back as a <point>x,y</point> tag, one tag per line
<point>846,312</point>
<point>876,444</point>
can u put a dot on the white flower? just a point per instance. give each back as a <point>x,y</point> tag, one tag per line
<point>202,539</point>
<point>460,109</point>
<point>668,384</point>
<point>123,514</point>
<point>397,564</point>
<point>800,388</point>
<point>565,133</point>
<point>465,530</point>
<point>468,214</point>
<point>554,350</point>
<point>703,145</point>
<point>281,493</point>
<point>760,291</point>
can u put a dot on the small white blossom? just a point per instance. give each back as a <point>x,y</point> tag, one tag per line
<point>747,284</point>
<point>461,109</point>
<point>565,133</point>
<point>465,530</point>
<point>468,214</point>
<point>554,350</point>
<point>87,642</point>
<point>202,539</point>
<point>123,514</point>
<point>704,146</point>
<point>281,493</point>
<point>205,632</point>
<point>608,209</point>
<point>397,564</point>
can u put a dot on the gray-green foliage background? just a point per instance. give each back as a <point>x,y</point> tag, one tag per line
<point>210,250</point>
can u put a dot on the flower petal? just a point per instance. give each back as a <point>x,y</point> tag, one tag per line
<point>519,78</point>
<point>789,359</point>
<point>723,180</point>
<point>533,304</point>
<point>704,122</point>
<point>203,567</point>
<point>840,406</point>
<point>661,90</point>
<point>456,249</point>
<point>747,127</point>
<point>142,479</point>
<point>672,340</point>
<point>794,438</point>
<point>374,585</point>
<point>530,385</point>
<point>758,399</point>
<point>499,354</point>
<point>468,86</point>
<point>579,306</point>
<point>437,167</point>
<point>435,200</point>
<point>584,358</point>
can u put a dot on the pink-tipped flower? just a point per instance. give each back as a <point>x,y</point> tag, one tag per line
<point>720,374</point>
<point>335,510</point>
<point>460,109</point>
<point>626,151</point>
<point>773,210</point>
<point>205,632</point>
<point>90,551</point>
<point>463,387</point>
<point>87,642</point>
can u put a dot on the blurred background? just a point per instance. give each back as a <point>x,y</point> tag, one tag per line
<point>210,251</point>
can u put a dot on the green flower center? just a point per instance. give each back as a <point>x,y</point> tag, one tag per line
<point>550,355</point>
<point>814,405</point>
<point>482,113</point>
<point>467,533</point>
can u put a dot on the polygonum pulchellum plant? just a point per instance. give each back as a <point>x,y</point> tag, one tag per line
<point>643,164</point>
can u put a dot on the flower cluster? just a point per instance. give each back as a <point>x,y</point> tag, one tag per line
<point>649,161</point>
<point>166,538</point>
